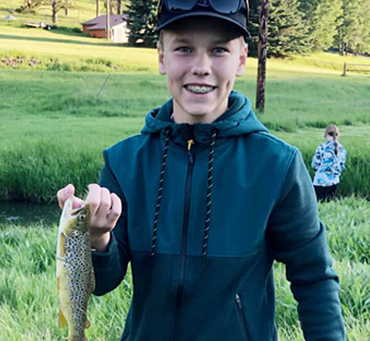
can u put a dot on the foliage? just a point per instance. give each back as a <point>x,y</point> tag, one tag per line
<point>354,29</point>
<point>322,16</point>
<point>287,32</point>
<point>142,16</point>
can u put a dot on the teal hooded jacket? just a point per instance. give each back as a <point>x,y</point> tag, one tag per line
<point>207,208</point>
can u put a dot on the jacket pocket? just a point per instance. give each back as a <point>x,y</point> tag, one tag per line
<point>242,318</point>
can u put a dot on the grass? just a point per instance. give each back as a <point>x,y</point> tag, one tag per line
<point>356,141</point>
<point>57,118</point>
<point>29,303</point>
<point>49,137</point>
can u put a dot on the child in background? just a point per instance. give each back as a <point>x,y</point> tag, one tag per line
<point>328,163</point>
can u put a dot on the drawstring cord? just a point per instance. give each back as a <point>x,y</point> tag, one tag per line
<point>160,190</point>
<point>207,225</point>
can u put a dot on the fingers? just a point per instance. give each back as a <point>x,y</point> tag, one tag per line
<point>105,207</point>
<point>64,193</point>
<point>115,210</point>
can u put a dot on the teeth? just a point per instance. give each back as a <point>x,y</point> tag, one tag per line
<point>199,89</point>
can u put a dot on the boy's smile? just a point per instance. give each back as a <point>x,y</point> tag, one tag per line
<point>201,60</point>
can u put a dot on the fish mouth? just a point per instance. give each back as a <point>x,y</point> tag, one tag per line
<point>73,212</point>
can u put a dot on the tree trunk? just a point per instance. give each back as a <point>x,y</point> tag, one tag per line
<point>108,24</point>
<point>66,9</point>
<point>262,55</point>
<point>119,6</point>
<point>54,6</point>
<point>98,8</point>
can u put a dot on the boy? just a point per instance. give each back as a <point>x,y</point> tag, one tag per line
<point>209,200</point>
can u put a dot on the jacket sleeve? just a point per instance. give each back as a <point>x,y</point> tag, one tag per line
<point>342,159</point>
<point>297,238</point>
<point>110,267</point>
<point>316,160</point>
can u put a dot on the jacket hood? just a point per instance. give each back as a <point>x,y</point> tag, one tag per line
<point>239,119</point>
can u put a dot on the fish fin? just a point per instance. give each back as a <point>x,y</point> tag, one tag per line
<point>92,280</point>
<point>61,321</point>
<point>62,245</point>
<point>87,324</point>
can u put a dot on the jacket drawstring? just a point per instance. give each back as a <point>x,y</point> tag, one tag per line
<point>160,190</point>
<point>207,225</point>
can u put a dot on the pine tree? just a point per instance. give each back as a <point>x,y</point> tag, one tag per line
<point>288,33</point>
<point>354,30</point>
<point>322,19</point>
<point>253,27</point>
<point>142,16</point>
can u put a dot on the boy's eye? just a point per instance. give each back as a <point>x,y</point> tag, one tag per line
<point>183,49</point>
<point>219,50</point>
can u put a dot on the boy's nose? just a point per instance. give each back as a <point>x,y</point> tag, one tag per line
<point>201,65</point>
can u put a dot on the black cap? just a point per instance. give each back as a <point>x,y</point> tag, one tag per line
<point>239,19</point>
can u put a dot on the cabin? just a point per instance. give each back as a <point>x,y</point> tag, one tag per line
<point>118,27</point>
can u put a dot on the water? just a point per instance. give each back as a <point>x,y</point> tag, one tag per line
<point>28,213</point>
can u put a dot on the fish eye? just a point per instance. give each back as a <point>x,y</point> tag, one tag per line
<point>81,217</point>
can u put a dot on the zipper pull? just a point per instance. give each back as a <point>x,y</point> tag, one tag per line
<point>190,143</point>
<point>238,301</point>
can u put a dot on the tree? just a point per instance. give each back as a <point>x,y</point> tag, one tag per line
<point>253,27</point>
<point>287,30</point>
<point>322,19</point>
<point>98,8</point>
<point>354,29</point>
<point>56,6</point>
<point>142,16</point>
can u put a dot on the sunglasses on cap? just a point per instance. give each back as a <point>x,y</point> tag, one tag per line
<point>220,6</point>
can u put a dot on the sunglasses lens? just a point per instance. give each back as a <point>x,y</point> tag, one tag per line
<point>180,5</point>
<point>229,6</point>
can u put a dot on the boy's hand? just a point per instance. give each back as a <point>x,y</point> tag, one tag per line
<point>65,193</point>
<point>105,208</point>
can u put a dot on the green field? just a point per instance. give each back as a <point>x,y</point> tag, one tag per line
<point>56,118</point>
<point>56,124</point>
<point>29,303</point>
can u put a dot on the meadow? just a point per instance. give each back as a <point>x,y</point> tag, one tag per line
<point>55,124</point>
<point>83,95</point>
<point>29,303</point>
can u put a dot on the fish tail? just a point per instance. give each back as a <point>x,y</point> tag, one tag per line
<point>77,337</point>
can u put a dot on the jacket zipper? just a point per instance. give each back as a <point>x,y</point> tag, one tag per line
<point>241,316</point>
<point>184,241</point>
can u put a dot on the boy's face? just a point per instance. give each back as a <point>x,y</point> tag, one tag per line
<point>201,61</point>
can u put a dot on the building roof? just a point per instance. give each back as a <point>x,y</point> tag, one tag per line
<point>101,21</point>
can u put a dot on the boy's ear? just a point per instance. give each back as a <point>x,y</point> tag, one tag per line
<point>161,64</point>
<point>242,59</point>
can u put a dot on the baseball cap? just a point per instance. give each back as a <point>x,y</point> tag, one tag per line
<point>233,11</point>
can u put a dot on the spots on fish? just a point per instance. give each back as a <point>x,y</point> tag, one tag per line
<point>78,264</point>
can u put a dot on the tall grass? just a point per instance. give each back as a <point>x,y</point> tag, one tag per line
<point>355,139</point>
<point>55,131</point>
<point>29,303</point>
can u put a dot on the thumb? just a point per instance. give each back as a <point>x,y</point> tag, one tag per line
<point>64,194</point>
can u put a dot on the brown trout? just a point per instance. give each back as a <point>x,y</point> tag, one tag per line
<point>75,274</point>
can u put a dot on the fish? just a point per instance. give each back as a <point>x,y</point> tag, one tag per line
<point>74,269</point>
